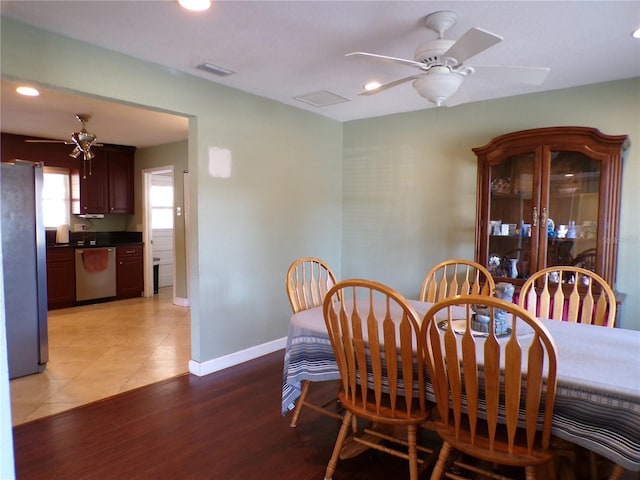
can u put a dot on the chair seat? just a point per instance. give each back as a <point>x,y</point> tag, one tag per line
<point>386,415</point>
<point>520,457</point>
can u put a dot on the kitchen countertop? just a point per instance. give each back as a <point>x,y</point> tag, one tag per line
<point>99,239</point>
<point>77,245</point>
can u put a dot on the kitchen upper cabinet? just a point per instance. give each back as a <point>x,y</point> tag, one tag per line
<point>94,187</point>
<point>121,182</point>
<point>109,187</point>
<point>549,196</point>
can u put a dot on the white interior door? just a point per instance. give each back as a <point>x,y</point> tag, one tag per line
<point>161,199</point>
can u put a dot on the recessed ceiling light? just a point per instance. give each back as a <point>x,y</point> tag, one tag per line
<point>372,86</point>
<point>28,91</point>
<point>636,34</point>
<point>195,5</point>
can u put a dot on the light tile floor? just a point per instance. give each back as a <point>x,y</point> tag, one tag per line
<point>96,351</point>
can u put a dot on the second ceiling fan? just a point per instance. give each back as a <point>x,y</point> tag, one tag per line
<point>440,62</point>
<point>83,141</point>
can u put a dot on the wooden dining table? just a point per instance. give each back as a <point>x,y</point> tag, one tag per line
<point>598,380</point>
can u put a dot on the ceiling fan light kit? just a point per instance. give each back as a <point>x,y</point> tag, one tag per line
<point>439,85</point>
<point>440,62</point>
<point>83,142</point>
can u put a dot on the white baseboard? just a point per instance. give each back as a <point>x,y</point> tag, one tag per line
<point>181,301</point>
<point>220,363</point>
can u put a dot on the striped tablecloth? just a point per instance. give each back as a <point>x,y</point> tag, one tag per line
<point>598,390</point>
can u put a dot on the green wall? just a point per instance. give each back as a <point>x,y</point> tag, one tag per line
<point>383,198</point>
<point>407,183</point>
<point>410,181</point>
<point>281,201</point>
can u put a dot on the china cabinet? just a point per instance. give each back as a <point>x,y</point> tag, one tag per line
<point>549,196</point>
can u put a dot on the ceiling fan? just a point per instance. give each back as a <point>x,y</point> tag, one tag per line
<point>82,140</point>
<point>440,62</point>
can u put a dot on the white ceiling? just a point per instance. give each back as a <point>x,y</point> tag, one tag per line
<point>284,49</point>
<point>53,115</point>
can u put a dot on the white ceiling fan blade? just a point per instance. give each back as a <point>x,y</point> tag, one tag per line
<point>515,74</point>
<point>471,43</point>
<point>385,59</point>
<point>386,86</point>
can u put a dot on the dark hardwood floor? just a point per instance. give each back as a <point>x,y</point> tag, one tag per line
<point>224,425</point>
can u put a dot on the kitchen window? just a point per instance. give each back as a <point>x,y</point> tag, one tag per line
<point>56,196</point>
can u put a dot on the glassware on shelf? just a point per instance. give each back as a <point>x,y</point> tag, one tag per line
<point>551,228</point>
<point>562,231</point>
<point>513,268</point>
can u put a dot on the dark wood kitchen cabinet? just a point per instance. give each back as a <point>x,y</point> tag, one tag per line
<point>61,278</point>
<point>109,188</point>
<point>94,193</point>
<point>129,271</point>
<point>549,196</point>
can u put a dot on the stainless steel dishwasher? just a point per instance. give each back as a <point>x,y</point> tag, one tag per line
<point>95,273</point>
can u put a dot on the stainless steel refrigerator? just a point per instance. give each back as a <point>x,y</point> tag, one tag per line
<point>24,267</point>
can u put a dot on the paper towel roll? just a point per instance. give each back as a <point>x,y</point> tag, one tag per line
<point>62,234</point>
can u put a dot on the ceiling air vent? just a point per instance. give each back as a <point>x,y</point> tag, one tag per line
<point>321,98</point>
<point>215,69</point>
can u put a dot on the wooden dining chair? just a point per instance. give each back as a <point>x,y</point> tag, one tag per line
<point>574,294</point>
<point>374,334</point>
<point>491,390</point>
<point>307,282</point>
<point>456,277</point>
<point>569,293</point>
<point>586,259</point>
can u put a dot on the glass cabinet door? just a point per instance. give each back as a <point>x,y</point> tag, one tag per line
<point>572,211</point>
<point>511,206</point>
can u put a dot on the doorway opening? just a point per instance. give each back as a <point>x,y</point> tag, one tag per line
<point>76,350</point>
<point>159,229</point>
